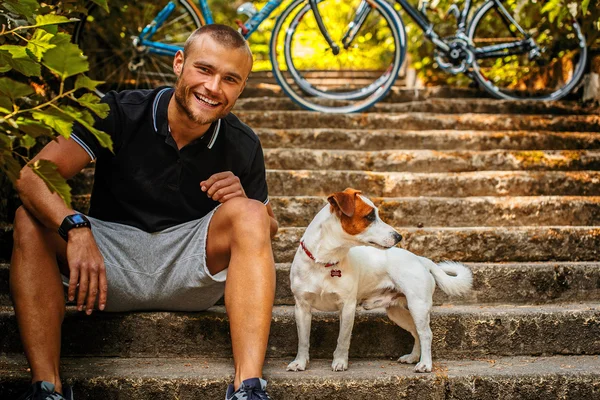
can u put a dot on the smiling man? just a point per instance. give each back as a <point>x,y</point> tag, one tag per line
<point>179,216</point>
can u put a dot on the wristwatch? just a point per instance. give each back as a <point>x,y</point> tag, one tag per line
<point>72,221</point>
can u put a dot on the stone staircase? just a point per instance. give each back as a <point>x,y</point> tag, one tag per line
<point>511,189</point>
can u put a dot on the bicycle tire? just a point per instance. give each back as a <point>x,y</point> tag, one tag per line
<point>293,73</point>
<point>106,39</point>
<point>551,76</point>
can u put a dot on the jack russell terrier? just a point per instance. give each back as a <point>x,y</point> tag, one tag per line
<point>347,258</point>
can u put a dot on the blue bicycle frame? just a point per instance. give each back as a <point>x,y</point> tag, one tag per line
<point>145,38</point>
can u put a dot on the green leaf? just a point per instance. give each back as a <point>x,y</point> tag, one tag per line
<point>19,60</point>
<point>6,104</point>
<point>102,3</point>
<point>66,58</point>
<point>22,7</point>
<point>27,141</point>
<point>58,120</point>
<point>47,170</point>
<point>103,138</point>
<point>92,102</point>
<point>83,81</point>
<point>13,89</point>
<point>33,128</point>
<point>52,19</point>
<point>40,43</point>
<point>553,8</point>
<point>86,120</point>
<point>10,166</point>
<point>6,142</point>
<point>584,6</point>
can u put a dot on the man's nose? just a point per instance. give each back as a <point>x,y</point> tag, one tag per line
<point>213,84</point>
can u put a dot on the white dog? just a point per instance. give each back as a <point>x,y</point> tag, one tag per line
<point>347,259</point>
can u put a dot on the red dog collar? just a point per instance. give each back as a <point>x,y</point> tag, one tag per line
<point>327,265</point>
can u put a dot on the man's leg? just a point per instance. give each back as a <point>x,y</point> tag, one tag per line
<point>38,295</point>
<point>239,239</point>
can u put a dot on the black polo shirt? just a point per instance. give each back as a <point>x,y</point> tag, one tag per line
<point>149,183</point>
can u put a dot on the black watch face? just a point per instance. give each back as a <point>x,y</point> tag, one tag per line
<point>77,218</point>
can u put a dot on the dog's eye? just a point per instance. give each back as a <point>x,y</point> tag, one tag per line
<point>370,216</point>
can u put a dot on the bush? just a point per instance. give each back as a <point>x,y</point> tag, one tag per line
<point>44,90</point>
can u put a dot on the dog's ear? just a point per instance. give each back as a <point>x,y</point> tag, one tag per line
<point>344,201</point>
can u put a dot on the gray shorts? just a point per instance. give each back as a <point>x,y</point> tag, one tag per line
<point>164,270</point>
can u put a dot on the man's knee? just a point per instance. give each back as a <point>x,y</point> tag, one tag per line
<point>28,231</point>
<point>247,215</point>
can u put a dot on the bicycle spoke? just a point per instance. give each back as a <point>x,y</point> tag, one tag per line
<point>164,77</point>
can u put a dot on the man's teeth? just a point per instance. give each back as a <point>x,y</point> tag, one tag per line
<point>207,100</point>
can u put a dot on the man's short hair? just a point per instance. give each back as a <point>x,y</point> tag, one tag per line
<point>223,34</point>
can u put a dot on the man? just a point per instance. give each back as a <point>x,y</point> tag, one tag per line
<point>184,167</point>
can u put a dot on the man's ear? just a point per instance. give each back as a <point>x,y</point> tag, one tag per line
<point>178,62</point>
<point>344,201</point>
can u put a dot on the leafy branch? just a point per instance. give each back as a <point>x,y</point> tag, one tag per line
<point>36,56</point>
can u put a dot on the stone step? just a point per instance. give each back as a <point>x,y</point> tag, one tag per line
<point>453,212</point>
<point>506,378</point>
<point>432,160</point>
<point>439,106</point>
<point>307,119</point>
<point>408,184</point>
<point>443,211</point>
<point>515,283</point>
<point>458,332</point>
<point>402,139</point>
<point>465,244</point>
<point>463,184</point>
<point>480,244</point>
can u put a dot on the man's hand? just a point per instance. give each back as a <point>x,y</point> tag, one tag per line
<point>86,266</point>
<point>223,186</point>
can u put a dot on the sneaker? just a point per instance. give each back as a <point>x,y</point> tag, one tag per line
<point>43,390</point>
<point>250,389</point>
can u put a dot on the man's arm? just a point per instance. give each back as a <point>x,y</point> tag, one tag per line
<point>85,262</point>
<point>48,207</point>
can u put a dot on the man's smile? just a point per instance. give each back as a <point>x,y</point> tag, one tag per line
<point>205,101</point>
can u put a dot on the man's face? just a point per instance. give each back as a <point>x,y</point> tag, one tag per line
<point>210,80</point>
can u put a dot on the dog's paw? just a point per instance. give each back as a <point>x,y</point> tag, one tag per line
<point>339,364</point>
<point>297,365</point>
<point>409,358</point>
<point>423,367</point>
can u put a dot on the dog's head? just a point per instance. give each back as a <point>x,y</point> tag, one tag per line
<point>359,220</point>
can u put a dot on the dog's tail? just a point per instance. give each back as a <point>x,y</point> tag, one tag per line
<point>452,277</point>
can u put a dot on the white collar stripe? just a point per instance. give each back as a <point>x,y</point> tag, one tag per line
<point>215,134</point>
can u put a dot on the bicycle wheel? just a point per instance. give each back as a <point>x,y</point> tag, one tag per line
<point>354,79</point>
<point>547,59</point>
<point>107,39</point>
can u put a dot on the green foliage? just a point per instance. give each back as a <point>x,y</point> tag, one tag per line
<point>40,63</point>
<point>55,182</point>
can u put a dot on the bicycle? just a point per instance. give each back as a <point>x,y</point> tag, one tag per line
<point>148,33</point>
<point>524,60</point>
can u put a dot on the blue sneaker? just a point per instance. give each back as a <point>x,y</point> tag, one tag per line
<point>43,390</point>
<point>250,389</point>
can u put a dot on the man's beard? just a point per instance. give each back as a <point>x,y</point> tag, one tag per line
<point>181,99</point>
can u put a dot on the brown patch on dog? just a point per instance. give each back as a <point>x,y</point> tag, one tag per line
<point>351,210</point>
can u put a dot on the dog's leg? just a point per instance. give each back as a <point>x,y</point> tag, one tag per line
<point>303,314</point>
<point>340,355</point>
<point>402,317</point>
<point>420,314</point>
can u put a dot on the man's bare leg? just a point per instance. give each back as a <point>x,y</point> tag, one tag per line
<point>38,296</point>
<point>239,239</point>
